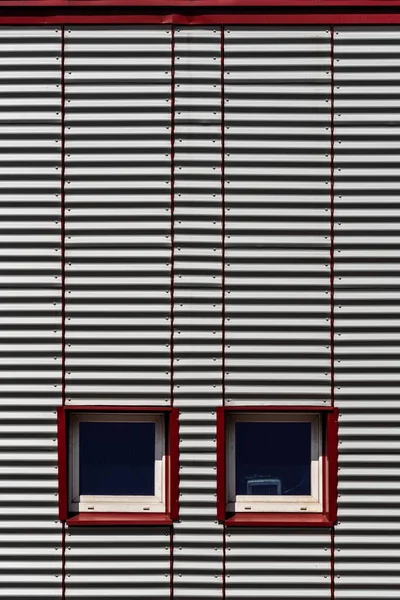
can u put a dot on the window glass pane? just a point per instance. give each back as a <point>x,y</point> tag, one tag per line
<point>116,458</point>
<point>273,458</point>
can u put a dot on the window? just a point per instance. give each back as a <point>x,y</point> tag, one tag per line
<point>117,465</point>
<point>277,466</point>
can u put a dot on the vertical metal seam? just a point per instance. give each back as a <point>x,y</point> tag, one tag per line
<point>62,221</point>
<point>332,274</point>
<point>172,215</point>
<point>222,52</point>
<point>63,533</point>
<point>332,227</point>
<point>223,211</point>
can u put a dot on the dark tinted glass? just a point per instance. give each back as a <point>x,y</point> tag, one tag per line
<point>116,458</point>
<point>273,458</point>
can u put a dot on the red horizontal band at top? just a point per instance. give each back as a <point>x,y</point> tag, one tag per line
<point>71,4</point>
<point>59,18</point>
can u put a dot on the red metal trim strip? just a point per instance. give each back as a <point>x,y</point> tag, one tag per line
<point>333,562</point>
<point>223,216</point>
<point>331,460</point>
<point>58,18</point>
<point>332,226</point>
<point>109,408</point>
<point>174,464</point>
<point>332,454</point>
<point>62,463</point>
<point>172,214</point>
<point>63,544</point>
<point>316,409</point>
<point>83,519</point>
<point>61,415</point>
<point>233,4</point>
<point>62,219</point>
<point>278,520</point>
<point>221,500</point>
<point>223,293</point>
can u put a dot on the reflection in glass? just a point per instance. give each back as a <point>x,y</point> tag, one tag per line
<point>273,458</point>
<point>116,458</point>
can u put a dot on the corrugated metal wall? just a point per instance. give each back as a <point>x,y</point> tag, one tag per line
<point>239,223</point>
<point>197,564</point>
<point>30,310</point>
<point>367,184</point>
<point>118,268</point>
<point>118,214</point>
<point>277,142</point>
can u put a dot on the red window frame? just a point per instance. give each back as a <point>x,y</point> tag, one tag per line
<point>115,518</point>
<point>329,472</point>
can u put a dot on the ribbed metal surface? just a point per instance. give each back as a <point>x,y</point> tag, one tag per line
<point>367,366</point>
<point>274,563</point>
<point>30,331</point>
<point>118,250</point>
<point>118,219</point>
<point>277,166</point>
<point>277,142</point>
<point>112,562</point>
<point>197,307</point>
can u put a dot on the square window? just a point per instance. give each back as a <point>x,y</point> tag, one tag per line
<point>116,463</point>
<point>277,467</point>
<point>274,463</point>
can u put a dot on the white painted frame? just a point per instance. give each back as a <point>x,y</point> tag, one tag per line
<point>275,503</point>
<point>100,503</point>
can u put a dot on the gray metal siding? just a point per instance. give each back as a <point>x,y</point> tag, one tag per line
<point>118,214</point>
<point>277,141</point>
<point>367,185</point>
<point>30,310</point>
<point>269,93</point>
<point>277,166</point>
<point>118,269</point>
<point>197,567</point>
<point>115,562</point>
<point>278,563</point>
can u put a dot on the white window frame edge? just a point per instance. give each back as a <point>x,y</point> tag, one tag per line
<point>97,503</point>
<point>293,504</point>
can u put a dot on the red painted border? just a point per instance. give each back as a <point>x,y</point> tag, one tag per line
<point>174,464</point>
<point>278,520</point>
<point>172,470</point>
<point>221,473</point>
<point>220,505</point>
<point>80,408</point>
<point>232,4</point>
<point>330,474</point>
<point>85,519</point>
<point>58,18</point>
<point>332,222</point>
<point>267,408</point>
<point>62,216</point>
<point>62,464</point>
<point>172,216</point>
<point>332,426</point>
<point>173,481</point>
